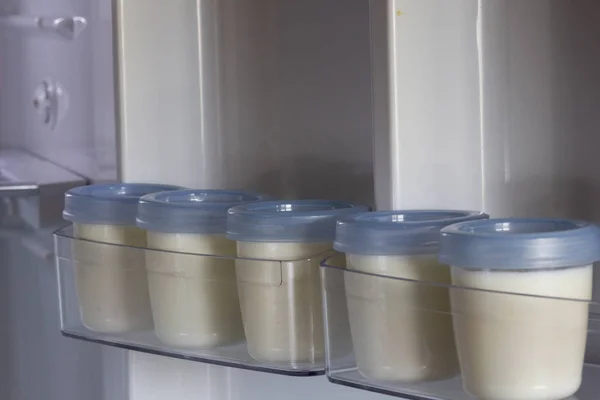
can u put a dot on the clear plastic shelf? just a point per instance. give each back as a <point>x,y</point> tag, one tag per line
<point>404,338</point>
<point>188,306</point>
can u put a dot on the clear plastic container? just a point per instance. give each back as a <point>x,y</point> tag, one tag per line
<point>194,300</point>
<point>529,345</point>
<point>111,284</point>
<point>283,323</point>
<point>400,331</point>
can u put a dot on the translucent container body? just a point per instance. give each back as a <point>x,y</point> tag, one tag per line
<point>111,282</point>
<point>194,299</point>
<point>401,332</point>
<point>283,323</point>
<point>171,272</point>
<point>529,257</point>
<point>519,346</point>
<point>537,342</point>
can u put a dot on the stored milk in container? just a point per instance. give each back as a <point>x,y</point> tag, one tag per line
<point>280,293</point>
<point>110,280</point>
<point>401,330</point>
<point>521,335</point>
<point>193,289</point>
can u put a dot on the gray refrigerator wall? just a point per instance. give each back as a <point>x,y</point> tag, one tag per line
<point>36,362</point>
<point>84,138</point>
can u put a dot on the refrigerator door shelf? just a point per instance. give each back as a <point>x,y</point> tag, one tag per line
<point>191,306</point>
<point>33,189</point>
<point>390,329</point>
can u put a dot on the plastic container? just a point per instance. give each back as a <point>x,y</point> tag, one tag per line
<point>401,331</point>
<point>528,346</point>
<point>194,299</point>
<point>111,281</point>
<point>282,307</point>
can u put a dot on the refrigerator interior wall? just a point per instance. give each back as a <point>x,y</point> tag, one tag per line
<point>540,96</point>
<point>35,361</point>
<point>84,139</point>
<point>513,89</point>
<point>278,100</point>
<point>426,104</point>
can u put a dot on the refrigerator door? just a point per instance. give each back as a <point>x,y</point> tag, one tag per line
<point>56,131</point>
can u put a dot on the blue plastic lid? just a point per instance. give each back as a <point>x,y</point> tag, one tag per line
<point>406,232</point>
<point>190,211</point>
<point>288,221</point>
<point>518,244</point>
<point>111,204</point>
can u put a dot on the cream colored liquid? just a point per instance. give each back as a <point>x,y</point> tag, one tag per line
<point>401,331</point>
<point>194,298</point>
<point>281,302</point>
<point>111,280</point>
<point>514,347</point>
